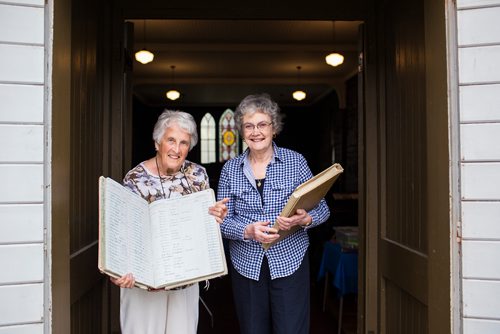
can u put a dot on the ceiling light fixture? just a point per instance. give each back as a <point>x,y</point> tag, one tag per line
<point>173,94</point>
<point>144,56</point>
<point>299,94</point>
<point>334,58</point>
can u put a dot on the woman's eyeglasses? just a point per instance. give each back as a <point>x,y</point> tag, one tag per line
<point>261,126</point>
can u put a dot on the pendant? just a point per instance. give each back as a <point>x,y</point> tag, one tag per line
<point>258,183</point>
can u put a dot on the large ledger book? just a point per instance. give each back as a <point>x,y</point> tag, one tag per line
<point>306,196</point>
<point>164,244</point>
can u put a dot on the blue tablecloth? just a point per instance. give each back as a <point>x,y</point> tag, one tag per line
<point>343,267</point>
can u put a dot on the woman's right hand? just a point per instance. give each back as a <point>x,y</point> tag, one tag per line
<point>126,281</point>
<point>261,232</point>
<point>219,210</point>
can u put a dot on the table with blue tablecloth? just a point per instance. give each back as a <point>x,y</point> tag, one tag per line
<point>342,267</point>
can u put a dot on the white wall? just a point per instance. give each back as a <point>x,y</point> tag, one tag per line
<point>478,24</point>
<point>22,134</point>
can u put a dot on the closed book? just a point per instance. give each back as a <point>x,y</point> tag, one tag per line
<point>306,196</point>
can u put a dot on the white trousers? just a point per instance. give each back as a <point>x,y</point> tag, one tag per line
<point>159,312</point>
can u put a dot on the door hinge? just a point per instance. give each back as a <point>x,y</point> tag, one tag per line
<point>360,62</point>
<point>459,234</point>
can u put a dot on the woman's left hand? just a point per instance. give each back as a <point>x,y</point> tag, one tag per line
<point>219,210</point>
<point>301,217</point>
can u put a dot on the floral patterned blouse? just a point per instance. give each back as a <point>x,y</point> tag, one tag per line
<point>191,178</point>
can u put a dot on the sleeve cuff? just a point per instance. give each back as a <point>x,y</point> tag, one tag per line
<point>314,219</point>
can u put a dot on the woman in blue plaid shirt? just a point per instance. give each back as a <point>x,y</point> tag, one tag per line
<point>271,288</point>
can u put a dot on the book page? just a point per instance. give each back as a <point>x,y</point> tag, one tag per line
<point>126,233</point>
<point>186,238</point>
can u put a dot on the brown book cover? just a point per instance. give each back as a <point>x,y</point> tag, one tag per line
<point>306,196</point>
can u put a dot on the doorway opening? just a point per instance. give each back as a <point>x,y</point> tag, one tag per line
<point>402,193</point>
<point>217,63</point>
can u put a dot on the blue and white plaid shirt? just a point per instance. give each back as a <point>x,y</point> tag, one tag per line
<point>285,172</point>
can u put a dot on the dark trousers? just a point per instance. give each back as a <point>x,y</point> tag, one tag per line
<point>279,306</point>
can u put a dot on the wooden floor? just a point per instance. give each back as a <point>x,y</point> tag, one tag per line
<point>220,302</point>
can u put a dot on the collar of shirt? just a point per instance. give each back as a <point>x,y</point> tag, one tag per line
<point>247,169</point>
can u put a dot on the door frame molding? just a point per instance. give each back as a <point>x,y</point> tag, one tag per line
<point>438,177</point>
<point>369,181</point>
<point>57,163</point>
<point>454,143</point>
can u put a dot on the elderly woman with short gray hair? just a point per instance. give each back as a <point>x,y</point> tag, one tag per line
<point>270,287</point>
<point>166,175</point>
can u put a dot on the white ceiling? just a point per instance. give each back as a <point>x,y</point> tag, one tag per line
<point>218,62</point>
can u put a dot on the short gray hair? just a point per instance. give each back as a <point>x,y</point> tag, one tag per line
<point>184,120</point>
<point>259,103</point>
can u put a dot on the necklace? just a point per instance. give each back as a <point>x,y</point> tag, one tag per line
<point>259,182</point>
<point>159,175</point>
<point>191,190</point>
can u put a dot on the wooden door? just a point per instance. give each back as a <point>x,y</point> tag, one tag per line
<point>99,145</point>
<point>87,140</point>
<point>403,243</point>
<point>405,150</point>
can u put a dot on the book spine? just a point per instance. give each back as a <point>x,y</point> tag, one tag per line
<point>101,242</point>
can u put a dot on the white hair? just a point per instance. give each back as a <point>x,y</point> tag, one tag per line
<point>182,119</point>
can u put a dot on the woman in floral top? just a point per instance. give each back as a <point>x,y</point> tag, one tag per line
<point>166,175</point>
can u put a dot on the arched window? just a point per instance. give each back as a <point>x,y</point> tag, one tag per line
<point>207,139</point>
<point>228,136</point>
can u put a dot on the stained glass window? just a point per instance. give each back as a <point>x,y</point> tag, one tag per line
<point>207,139</point>
<point>228,136</point>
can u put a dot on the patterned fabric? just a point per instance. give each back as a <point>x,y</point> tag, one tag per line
<point>191,178</point>
<point>285,172</point>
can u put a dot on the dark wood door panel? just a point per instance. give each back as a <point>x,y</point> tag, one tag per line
<point>404,313</point>
<point>406,268</point>
<point>90,54</point>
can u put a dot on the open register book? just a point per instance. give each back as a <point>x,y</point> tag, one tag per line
<point>306,196</point>
<point>165,244</point>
